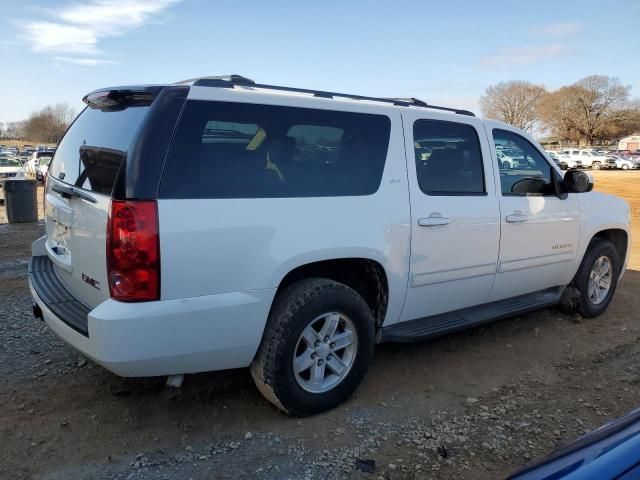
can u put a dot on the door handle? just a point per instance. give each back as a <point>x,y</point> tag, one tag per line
<point>517,217</point>
<point>433,220</point>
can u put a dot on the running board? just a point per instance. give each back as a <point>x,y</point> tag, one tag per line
<point>428,327</point>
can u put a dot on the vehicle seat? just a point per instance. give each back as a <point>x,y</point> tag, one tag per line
<point>280,157</point>
<point>444,167</point>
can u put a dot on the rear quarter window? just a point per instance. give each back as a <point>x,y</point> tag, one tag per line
<point>238,150</point>
<point>91,152</point>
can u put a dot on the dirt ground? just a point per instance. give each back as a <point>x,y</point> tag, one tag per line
<point>473,405</point>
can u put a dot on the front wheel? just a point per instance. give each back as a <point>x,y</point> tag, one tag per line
<point>316,348</point>
<point>595,165</point>
<point>625,166</point>
<point>592,288</point>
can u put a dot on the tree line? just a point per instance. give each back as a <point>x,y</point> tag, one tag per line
<point>593,110</point>
<point>47,125</point>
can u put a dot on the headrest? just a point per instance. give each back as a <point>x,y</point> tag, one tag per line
<point>281,149</point>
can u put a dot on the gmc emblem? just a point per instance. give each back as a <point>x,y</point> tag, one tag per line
<point>94,283</point>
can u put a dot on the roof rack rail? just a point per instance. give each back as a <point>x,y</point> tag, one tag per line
<point>218,81</point>
<point>229,81</point>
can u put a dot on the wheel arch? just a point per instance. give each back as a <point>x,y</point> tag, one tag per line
<point>364,275</point>
<point>620,240</point>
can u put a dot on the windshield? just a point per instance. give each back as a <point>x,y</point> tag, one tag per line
<point>9,162</point>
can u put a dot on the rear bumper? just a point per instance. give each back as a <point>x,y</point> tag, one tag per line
<point>189,335</point>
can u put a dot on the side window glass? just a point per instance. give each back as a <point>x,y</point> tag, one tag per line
<point>236,150</point>
<point>523,169</point>
<point>316,143</point>
<point>448,158</point>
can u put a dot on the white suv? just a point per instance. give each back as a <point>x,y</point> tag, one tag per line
<point>220,223</point>
<point>588,158</point>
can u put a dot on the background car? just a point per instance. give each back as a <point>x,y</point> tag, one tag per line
<point>505,160</point>
<point>623,163</point>
<point>33,164</point>
<point>43,166</point>
<point>567,162</point>
<point>10,168</point>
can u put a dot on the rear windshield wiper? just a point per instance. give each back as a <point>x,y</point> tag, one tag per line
<point>67,191</point>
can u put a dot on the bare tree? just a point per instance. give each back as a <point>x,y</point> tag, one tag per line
<point>50,123</point>
<point>514,102</point>
<point>15,130</point>
<point>589,109</point>
<point>558,112</point>
<point>600,100</point>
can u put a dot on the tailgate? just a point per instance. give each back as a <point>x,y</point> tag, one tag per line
<point>76,243</point>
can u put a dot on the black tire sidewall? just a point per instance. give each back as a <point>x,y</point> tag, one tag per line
<point>340,299</point>
<point>598,249</point>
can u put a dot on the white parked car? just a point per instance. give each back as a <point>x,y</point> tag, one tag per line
<point>218,223</point>
<point>43,166</point>
<point>38,160</point>
<point>505,161</point>
<point>566,162</point>
<point>622,162</point>
<point>10,168</point>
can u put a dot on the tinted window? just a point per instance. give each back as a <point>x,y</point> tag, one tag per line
<point>9,162</point>
<point>92,150</point>
<point>448,158</point>
<point>237,150</point>
<point>523,169</point>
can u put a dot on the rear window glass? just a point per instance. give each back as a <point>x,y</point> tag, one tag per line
<point>93,149</point>
<point>237,150</point>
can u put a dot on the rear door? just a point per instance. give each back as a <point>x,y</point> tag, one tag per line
<point>86,164</point>
<point>455,227</point>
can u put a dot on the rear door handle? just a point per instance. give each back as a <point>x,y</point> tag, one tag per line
<point>517,217</point>
<point>433,220</point>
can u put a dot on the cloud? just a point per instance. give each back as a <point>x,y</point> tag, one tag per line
<point>525,55</point>
<point>48,36</point>
<point>84,62</point>
<point>78,28</point>
<point>560,29</point>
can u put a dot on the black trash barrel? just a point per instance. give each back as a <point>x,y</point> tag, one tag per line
<point>21,201</point>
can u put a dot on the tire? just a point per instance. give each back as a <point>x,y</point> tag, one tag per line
<point>563,166</point>
<point>595,165</point>
<point>577,298</point>
<point>506,165</point>
<point>625,166</point>
<point>295,310</point>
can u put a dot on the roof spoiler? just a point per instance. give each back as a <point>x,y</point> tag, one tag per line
<point>119,98</point>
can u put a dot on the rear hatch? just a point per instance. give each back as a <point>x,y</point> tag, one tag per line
<point>78,194</point>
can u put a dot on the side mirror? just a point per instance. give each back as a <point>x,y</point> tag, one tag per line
<point>577,181</point>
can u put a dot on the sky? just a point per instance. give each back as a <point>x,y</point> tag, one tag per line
<point>443,52</point>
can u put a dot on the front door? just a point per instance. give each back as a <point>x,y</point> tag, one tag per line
<point>539,230</point>
<point>454,214</point>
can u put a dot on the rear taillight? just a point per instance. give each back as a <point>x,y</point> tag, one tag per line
<point>133,251</point>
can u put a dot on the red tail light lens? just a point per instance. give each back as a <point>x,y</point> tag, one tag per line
<point>133,251</point>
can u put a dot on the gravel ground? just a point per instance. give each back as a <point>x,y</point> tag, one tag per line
<point>474,405</point>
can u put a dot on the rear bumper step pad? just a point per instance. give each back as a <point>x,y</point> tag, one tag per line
<point>56,297</point>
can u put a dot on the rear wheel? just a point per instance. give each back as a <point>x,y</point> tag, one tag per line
<point>625,166</point>
<point>595,282</point>
<point>595,165</point>
<point>316,348</point>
